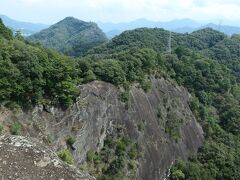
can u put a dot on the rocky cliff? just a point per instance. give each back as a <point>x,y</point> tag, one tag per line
<point>168,128</point>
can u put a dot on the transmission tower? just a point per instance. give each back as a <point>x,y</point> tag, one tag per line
<point>238,50</point>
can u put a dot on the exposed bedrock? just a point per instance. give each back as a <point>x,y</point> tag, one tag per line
<point>98,110</point>
<point>23,158</point>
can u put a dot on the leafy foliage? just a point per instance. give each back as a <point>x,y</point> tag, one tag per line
<point>71,140</point>
<point>118,155</point>
<point>227,52</point>
<point>16,128</point>
<point>30,75</point>
<point>5,32</point>
<point>1,128</point>
<point>109,71</point>
<point>66,156</point>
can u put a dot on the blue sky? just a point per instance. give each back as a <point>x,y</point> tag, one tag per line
<point>51,11</point>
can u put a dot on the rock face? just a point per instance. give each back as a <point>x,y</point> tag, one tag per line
<point>98,110</point>
<point>26,159</point>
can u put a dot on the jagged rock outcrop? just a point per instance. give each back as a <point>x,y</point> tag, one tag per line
<point>98,110</point>
<point>23,158</point>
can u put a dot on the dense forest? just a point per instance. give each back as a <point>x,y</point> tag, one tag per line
<point>206,62</point>
<point>31,74</point>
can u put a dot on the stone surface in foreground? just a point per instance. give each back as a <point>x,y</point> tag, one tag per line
<point>26,159</point>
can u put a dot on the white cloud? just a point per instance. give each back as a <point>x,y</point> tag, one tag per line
<point>120,10</point>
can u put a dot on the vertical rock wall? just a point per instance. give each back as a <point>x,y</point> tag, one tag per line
<point>98,110</point>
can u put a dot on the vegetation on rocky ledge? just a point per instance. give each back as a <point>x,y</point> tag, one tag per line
<point>116,160</point>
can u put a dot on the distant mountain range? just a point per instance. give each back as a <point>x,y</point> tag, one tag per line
<point>178,25</point>
<point>113,29</point>
<point>25,28</point>
<point>109,28</point>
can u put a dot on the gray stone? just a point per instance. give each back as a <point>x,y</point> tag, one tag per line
<point>22,165</point>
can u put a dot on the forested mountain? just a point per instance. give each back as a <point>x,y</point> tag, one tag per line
<point>70,36</point>
<point>158,39</point>
<point>205,62</point>
<point>229,30</point>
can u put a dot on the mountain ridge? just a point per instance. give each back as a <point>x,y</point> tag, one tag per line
<point>70,36</point>
<point>177,25</point>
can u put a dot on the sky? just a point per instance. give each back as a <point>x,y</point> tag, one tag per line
<point>51,11</point>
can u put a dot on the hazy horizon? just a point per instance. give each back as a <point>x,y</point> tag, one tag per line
<point>138,19</point>
<point>118,11</point>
